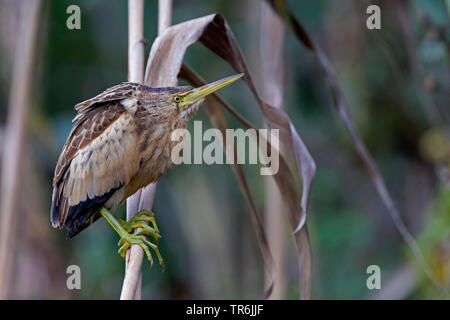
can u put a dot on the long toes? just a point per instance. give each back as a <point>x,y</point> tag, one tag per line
<point>142,219</point>
<point>152,231</point>
<point>149,230</point>
<point>144,213</point>
<point>156,236</point>
<point>145,220</point>
<point>140,239</point>
<point>155,248</point>
<point>144,247</point>
<point>123,249</point>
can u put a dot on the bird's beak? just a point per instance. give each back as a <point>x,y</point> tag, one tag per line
<point>199,93</point>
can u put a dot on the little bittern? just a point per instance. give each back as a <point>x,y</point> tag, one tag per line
<point>121,142</point>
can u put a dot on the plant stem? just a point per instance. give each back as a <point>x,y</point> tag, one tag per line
<point>143,199</point>
<point>14,139</point>
<point>131,287</point>
<point>271,48</point>
<point>164,15</point>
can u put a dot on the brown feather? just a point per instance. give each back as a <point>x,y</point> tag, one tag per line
<point>80,171</point>
<point>120,142</point>
<point>121,91</point>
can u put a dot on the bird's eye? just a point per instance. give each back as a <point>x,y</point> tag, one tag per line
<point>177,99</point>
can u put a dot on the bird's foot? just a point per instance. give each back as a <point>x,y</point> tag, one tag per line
<point>139,239</point>
<point>125,230</point>
<point>139,221</point>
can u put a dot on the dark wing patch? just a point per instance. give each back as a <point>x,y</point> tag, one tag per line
<point>85,213</point>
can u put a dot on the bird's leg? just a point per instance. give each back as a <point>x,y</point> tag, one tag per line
<point>127,238</point>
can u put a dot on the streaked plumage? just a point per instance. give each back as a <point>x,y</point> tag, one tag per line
<point>120,142</point>
<point>114,148</point>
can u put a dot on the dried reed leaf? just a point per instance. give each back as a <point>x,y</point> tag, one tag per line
<point>340,104</point>
<point>212,31</point>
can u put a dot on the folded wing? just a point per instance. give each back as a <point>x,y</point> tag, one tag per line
<point>98,158</point>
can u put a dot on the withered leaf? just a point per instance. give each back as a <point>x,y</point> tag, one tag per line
<point>340,104</point>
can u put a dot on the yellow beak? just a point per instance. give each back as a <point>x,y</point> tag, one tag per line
<point>196,94</point>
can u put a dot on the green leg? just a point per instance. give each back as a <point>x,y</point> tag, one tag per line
<point>127,238</point>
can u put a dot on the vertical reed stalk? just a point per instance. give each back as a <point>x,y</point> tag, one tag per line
<point>131,287</point>
<point>271,42</point>
<point>143,199</point>
<point>14,139</point>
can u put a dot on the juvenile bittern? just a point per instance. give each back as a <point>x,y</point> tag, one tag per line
<point>121,142</point>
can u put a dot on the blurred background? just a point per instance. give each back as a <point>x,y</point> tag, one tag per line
<point>396,81</point>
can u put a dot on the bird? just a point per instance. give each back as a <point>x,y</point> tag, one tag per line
<point>121,142</point>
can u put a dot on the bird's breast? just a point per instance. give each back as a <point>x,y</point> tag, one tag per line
<point>155,148</point>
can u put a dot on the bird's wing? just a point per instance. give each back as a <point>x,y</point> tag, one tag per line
<point>98,158</point>
<point>121,91</point>
<point>83,131</point>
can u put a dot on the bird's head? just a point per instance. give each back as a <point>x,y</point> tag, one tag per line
<point>182,102</point>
